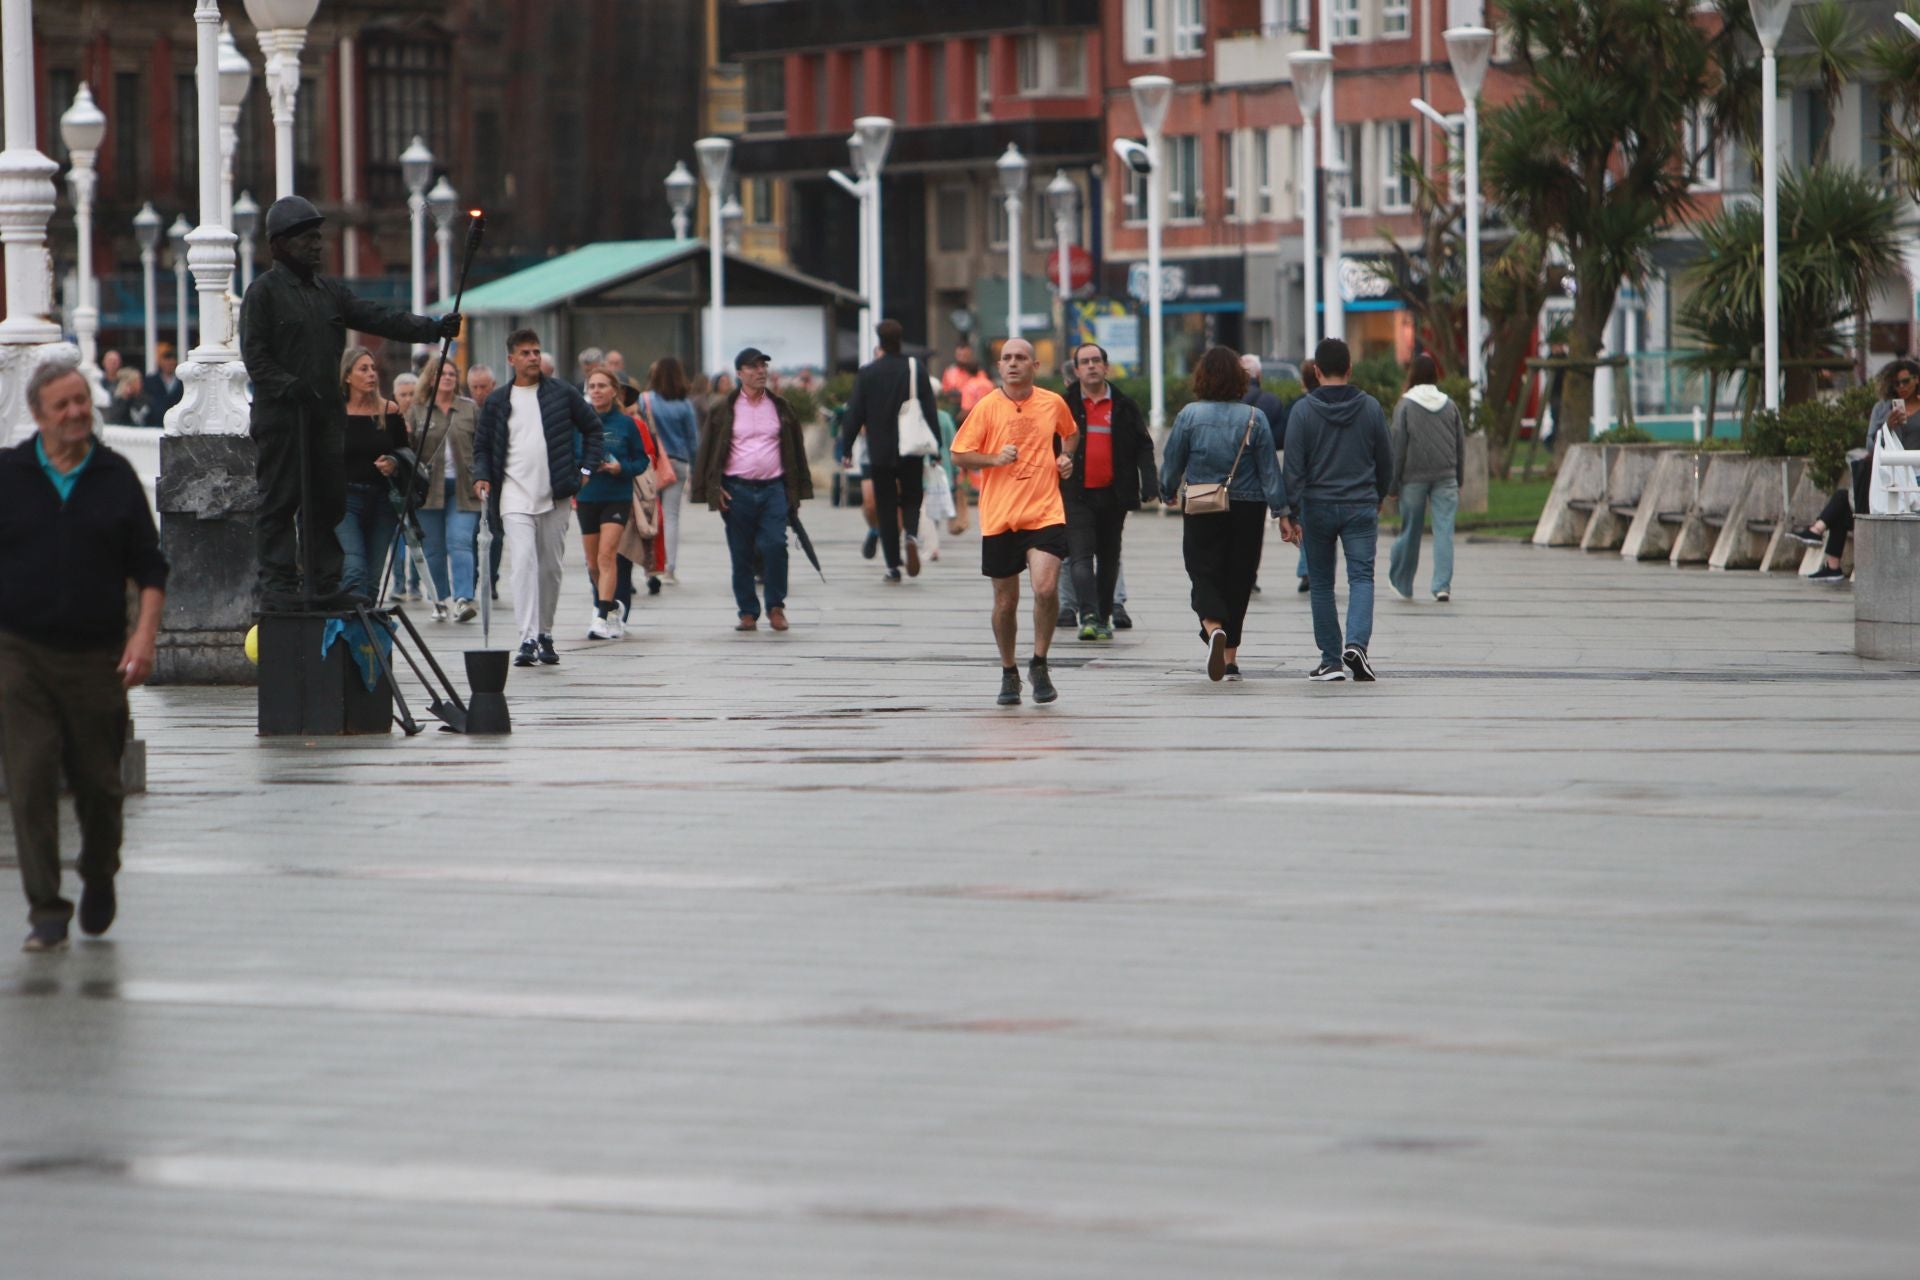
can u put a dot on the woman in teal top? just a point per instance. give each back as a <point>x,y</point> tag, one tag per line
<point>605,502</point>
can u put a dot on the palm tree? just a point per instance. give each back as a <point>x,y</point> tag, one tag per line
<point>1833,59</point>
<point>1840,238</point>
<point>1895,59</point>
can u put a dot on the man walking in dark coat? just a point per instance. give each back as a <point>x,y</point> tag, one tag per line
<point>293,330</point>
<point>1113,469</point>
<point>899,484</point>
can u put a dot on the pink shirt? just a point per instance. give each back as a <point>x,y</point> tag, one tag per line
<point>756,440</point>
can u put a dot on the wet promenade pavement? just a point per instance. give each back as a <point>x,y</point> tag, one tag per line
<point>1584,944</point>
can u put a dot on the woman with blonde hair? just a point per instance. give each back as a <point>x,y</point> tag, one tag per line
<point>450,514</point>
<point>375,433</point>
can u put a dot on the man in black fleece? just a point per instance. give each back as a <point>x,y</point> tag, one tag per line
<point>1339,468</point>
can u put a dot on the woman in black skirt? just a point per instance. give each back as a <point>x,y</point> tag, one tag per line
<point>1216,439</point>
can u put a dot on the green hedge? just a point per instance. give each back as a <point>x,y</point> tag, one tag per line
<point>1820,431</point>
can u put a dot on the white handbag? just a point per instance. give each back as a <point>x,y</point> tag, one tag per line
<point>916,433</point>
<point>1893,490</point>
<point>939,491</point>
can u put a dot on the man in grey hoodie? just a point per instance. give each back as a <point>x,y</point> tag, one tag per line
<point>1339,467</point>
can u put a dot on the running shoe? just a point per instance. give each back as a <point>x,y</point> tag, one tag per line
<point>547,654</point>
<point>1216,655</point>
<point>599,630</point>
<point>1090,629</point>
<point>1827,573</point>
<point>1009,688</point>
<point>616,627</point>
<point>1043,690</point>
<point>1806,535</point>
<point>1101,631</point>
<point>47,936</point>
<point>1442,597</point>
<point>1232,675</point>
<point>1122,620</point>
<point>527,656</point>
<point>98,903</point>
<point>465,611</point>
<point>913,557</point>
<point>1356,659</point>
<point>1327,671</point>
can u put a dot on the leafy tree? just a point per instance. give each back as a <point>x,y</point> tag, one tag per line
<point>1591,155</point>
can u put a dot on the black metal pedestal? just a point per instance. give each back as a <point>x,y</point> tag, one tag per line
<point>303,693</point>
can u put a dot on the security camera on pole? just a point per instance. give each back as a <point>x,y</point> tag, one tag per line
<point>416,170</point>
<point>26,203</point>
<point>1310,69</point>
<point>1152,95</point>
<point>82,128</point>
<point>715,155</point>
<point>1770,23</point>
<point>1471,49</point>
<point>282,29</point>
<point>1012,167</point>
<point>680,192</point>
<point>443,202</point>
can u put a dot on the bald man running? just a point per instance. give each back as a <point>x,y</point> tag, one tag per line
<point>1020,439</point>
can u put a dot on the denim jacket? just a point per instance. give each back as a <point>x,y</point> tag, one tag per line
<point>1201,449</point>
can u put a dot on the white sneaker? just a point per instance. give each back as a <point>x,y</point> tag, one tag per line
<point>616,629</point>
<point>599,629</point>
<point>439,611</point>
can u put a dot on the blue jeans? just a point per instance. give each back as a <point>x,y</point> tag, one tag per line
<point>757,528</point>
<point>448,533</point>
<point>365,533</point>
<point>1355,527</point>
<point>1443,499</point>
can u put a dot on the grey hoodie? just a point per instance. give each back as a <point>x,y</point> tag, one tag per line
<point>1337,449</point>
<point>1429,444</point>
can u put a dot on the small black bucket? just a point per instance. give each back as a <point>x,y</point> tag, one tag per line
<point>487,696</point>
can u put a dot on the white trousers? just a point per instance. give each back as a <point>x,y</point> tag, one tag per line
<point>535,545</point>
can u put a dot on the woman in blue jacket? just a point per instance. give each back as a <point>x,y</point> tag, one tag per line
<point>605,502</point>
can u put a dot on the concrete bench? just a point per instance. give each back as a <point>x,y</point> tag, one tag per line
<point>1750,527</point>
<point>1783,554</point>
<point>1725,479</point>
<point>1632,467</point>
<point>1669,493</point>
<point>1580,486</point>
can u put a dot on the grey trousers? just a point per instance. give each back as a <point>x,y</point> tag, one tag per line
<point>1068,599</point>
<point>535,545</point>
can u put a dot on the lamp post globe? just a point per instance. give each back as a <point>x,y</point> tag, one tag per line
<point>416,165</point>
<point>82,128</point>
<point>1012,168</point>
<point>715,155</point>
<point>443,202</point>
<point>416,170</point>
<point>281,28</point>
<point>177,241</point>
<point>680,192</point>
<point>1152,96</point>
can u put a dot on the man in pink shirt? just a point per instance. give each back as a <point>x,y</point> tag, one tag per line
<point>752,469</point>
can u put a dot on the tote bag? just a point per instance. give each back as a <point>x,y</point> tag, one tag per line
<point>916,437</point>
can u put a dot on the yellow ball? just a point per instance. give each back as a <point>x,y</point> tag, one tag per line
<point>253,645</point>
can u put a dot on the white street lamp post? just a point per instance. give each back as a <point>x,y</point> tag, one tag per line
<point>146,230</point>
<point>214,397</point>
<point>27,199</point>
<point>82,128</point>
<point>680,190</point>
<point>416,170</point>
<point>1471,49</point>
<point>443,202</point>
<point>246,225</point>
<point>1770,23</point>
<point>1152,95</point>
<point>876,137</point>
<point>1310,69</point>
<point>236,77</point>
<point>1063,198</point>
<point>1333,304</point>
<point>858,187</point>
<point>1012,167</point>
<point>715,155</point>
<point>177,241</point>
<point>282,29</point>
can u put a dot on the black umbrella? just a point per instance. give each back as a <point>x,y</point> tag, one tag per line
<point>806,543</point>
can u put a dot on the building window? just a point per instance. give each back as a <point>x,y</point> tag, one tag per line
<point>1262,173</point>
<point>1395,17</point>
<point>950,219</point>
<point>1143,29</point>
<point>1396,147</point>
<point>760,202</point>
<point>1185,195</point>
<point>997,221</point>
<point>1051,65</point>
<point>1229,178</point>
<point>1189,28</point>
<point>983,78</point>
<point>1351,149</point>
<point>767,96</point>
<point>1134,197</point>
<point>61,84</point>
<point>129,123</point>
<point>1346,20</point>
<point>1280,16</point>
<point>1703,153</point>
<point>406,92</point>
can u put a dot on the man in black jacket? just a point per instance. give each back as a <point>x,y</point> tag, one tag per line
<point>74,530</point>
<point>899,484</point>
<point>293,330</point>
<point>1113,469</point>
<point>537,441</point>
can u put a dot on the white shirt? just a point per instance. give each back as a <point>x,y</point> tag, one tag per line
<point>528,489</point>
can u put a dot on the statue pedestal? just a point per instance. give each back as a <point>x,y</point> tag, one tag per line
<point>1886,587</point>
<point>312,688</point>
<point>207,497</point>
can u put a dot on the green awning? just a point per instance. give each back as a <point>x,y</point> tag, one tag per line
<point>586,270</point>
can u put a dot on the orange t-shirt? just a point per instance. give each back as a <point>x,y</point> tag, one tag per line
<point>1024,494</point>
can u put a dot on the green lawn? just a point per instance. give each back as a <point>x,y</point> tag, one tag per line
<point>1513,509</point>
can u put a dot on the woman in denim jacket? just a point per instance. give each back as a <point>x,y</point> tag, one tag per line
<point>1213,438</point>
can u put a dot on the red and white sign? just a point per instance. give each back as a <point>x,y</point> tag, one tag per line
<point>1079,268</point>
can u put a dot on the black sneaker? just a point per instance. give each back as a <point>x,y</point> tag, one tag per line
<point>49,936</point>
<point>547,655</point>
<point>1009,687</point>
<point>97,906</point>
<point>871,547</point>
<point>892,577</point>
<point>1067,622</point>
<point>1232,675</point>
<point>1122,621</point>
<point>1805,534</point>
<point>653,585</point>
<point>1043,690</point>
<point>1216,655</point>
<point>1827,573</point>
<point>1304,586</point>
<point>1327,672</point>
<point>1356,659</point>
<point>527,656</point>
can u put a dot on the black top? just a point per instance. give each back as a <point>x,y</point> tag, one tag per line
<point>294,331</point>
<point>64,567</point>
<point>879,391</point>
<point>370,438</point>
